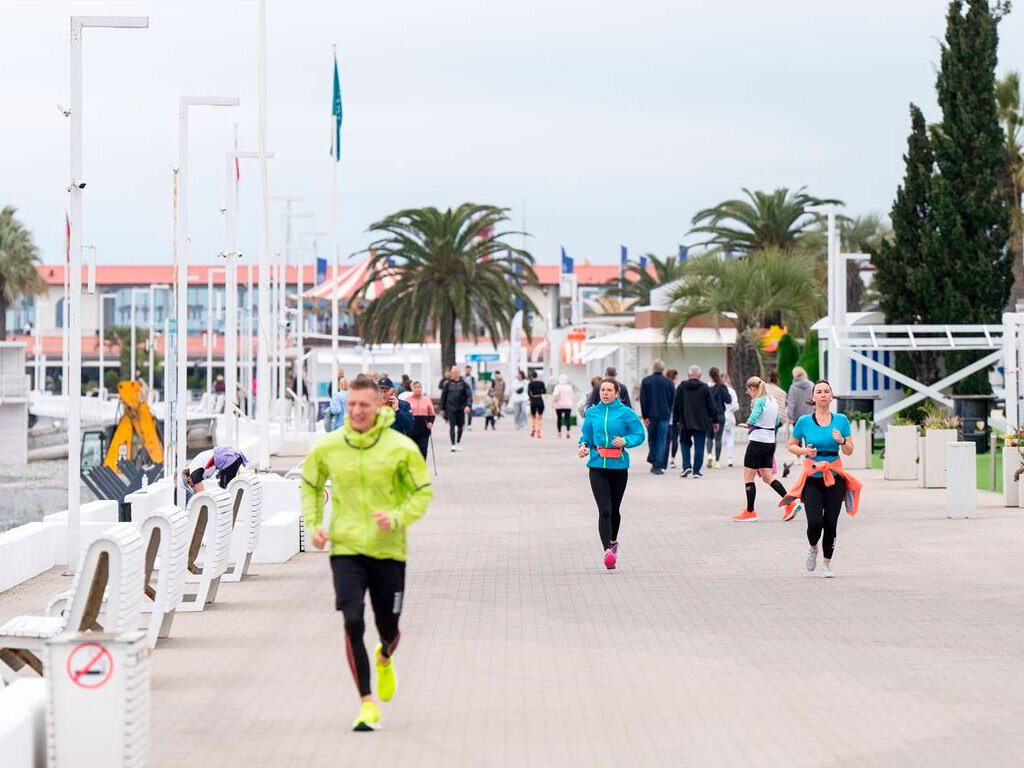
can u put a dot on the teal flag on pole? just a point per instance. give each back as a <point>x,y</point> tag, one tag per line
<point>336,112</point>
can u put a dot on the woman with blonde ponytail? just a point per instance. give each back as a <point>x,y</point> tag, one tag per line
<point>762,424</point>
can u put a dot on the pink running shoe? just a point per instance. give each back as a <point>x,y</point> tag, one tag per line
<point>609,560</point>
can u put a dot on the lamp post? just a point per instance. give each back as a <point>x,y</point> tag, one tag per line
<point>282,294</point>
<point>179,329</point>
<point>153,288</point>
<point>103,381</point>
<point>73,319</point>
<point>143,291</point>
<point>209,326</point>
<point>299,329</point>
<point>231,256</point>
<point>276,288</point>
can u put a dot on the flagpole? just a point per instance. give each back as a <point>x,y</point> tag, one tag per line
<point>334,244</point>
<point>263,328</point>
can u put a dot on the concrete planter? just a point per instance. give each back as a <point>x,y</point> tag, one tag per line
<point>860,433</point>
<point>1011,460</point>
<point>933,462</point>
<point>901,452</point>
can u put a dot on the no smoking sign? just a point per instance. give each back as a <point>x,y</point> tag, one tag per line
<point>90,665</point>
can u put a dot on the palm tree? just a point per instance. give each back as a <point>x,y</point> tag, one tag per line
<point>18,259</point>
<point>765,220</point>
<point>1009,108</point>
<point>772,282</point>
<point>639,280</point>
<point>453,269</point>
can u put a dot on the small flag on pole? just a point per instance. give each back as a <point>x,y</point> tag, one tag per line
<point>67,238</point>
<point>643,263</point>
<point>683,252</point>
<point>321,270</point>
<point>567,263</point>
<point>623,255</point>
<point>336,114</point>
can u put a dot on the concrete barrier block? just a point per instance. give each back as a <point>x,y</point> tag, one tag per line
<point>279,493</point>
<point>279,537</point>
<point>23,724</point>
<point>25,551</point>
<point>961,479</point>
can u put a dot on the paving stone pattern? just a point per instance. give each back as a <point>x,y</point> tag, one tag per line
<point>710,645</point>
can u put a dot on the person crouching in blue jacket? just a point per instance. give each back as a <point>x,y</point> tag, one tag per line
<point>609,429</point>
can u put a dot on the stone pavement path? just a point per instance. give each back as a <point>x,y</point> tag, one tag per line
<point>710,645</point>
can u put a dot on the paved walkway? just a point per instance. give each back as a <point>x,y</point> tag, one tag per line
<point>710,645</point>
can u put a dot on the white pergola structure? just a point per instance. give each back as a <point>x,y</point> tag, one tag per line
<point>844,343</point>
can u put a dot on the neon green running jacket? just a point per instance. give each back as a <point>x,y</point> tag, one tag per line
<point>377,469</point>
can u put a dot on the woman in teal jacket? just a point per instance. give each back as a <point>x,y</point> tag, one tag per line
<point>609,429</point>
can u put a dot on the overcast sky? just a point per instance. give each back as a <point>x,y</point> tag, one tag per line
<point>601,122</point>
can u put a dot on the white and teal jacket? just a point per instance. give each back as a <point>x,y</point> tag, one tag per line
<point>602,424</point>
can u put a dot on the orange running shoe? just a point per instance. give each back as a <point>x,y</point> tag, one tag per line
<point>791,510</point>
<point>746,516</point>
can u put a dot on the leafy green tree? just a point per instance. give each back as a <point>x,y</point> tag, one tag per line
<point>776,219</point>
<point>452,270</point>
<point>19,257</point>
<point>769,283</point>
<point>902,272</point>
<point>1011,118</point>
<point>639,280</point>
<point>786,355</point>
<point>809,356</point>
<point>972,268</point>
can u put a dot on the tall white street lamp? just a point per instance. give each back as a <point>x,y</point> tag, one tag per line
<point>231,257</point>
<point>135,291</point>
<point>178,419</point>
<point>153,288</point>
<point>73,318</point>
<point>299,328</point>
<point>103,379</point>
<point>276,281</point>
<point>209,325</point>
<point>282,297</point>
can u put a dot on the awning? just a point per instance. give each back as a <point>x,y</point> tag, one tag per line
<point>596,353</point>
<point>349,281</point>
<point>653,337</point>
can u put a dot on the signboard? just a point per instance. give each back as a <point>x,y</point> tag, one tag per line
<point>90,665</point>
<point>483,357</point>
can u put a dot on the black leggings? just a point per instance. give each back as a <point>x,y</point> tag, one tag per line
<point>822,505</point>
<point>715,437</point>
<point>385,579</point>
<point>563,415</point>
<point>456,421</point>
<point>608,486</point>
<point>673,440</point>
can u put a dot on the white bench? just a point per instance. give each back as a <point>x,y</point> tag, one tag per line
<point>246,491</point>
<point>165,534</point>
<point>112,564</point>
<point>209,514</point>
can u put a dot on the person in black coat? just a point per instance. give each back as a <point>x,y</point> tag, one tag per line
<point>656,400</point>
<point>456,400</point>
<point>695,416</point>
<point>595,396</point>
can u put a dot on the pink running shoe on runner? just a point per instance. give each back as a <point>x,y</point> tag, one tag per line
<point>609,560</point>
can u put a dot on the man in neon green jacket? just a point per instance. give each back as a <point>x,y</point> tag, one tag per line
<point>381,486</point>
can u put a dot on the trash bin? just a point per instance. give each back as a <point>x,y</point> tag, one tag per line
<point>857,403</point>
<point>97,713</point>
<point>973,410</point>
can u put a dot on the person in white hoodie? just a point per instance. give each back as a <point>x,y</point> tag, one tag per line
<point>563,400</point>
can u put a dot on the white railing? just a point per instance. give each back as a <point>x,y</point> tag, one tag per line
<point>912,338</point>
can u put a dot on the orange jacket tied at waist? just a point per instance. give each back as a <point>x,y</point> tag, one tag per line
<point>829,470</point>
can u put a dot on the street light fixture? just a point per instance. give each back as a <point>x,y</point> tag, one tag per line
<point>74,319</point>
<point>178,422</point>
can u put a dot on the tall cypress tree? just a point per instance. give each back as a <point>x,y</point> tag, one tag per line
<point>902,270</point>
<point>965,246</point>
